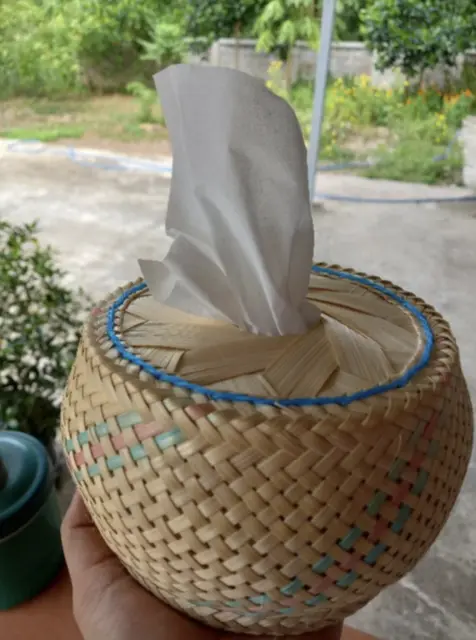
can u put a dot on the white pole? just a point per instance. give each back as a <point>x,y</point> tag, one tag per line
<point>322,71</point>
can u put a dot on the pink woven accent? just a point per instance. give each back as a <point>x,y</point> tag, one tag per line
<point>288,602</point>
<point>197,411</point>
<point>79,458</point>
<point>97,451</point>
<point>350,564</point>
<point>379,529</point>
<point>118,442</point>
<point>148,430</point>
<point>321,585</point>
<point>417,460</point>
<point>402,493</point>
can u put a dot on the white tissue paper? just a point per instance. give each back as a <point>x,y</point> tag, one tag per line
<point>239,217</point>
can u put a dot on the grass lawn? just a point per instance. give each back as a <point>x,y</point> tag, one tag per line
<point>117,123</point>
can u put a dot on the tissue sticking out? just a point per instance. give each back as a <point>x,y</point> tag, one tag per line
<point>239,216</point>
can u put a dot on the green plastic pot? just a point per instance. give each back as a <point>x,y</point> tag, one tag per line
<point>30,543</point>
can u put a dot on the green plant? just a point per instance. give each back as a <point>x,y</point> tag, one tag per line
<point>348,19</point>
<point>38,49</point>
<point>39,331</point>
<point>416,35</point>
<point>413,160</point>
<point>281,24</point>
<point>275,81</point>
<point>49,134</point>
<point>209,20</point>
<point>166,45</point>
<point>148,103</point>
<point>468,75</point>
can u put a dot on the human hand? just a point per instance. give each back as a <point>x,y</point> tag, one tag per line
<point>109,603</point>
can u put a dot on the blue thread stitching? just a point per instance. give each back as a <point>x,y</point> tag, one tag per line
<point>286,402</point>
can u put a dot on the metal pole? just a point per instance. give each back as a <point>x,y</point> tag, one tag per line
<point>320,83</point>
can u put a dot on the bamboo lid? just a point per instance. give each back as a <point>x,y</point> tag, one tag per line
<point>368,340</point>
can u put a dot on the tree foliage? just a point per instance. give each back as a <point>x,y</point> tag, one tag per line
<point>51,47</point>
<point>416,35</point>
<point>348,19</point>
<point>209,20</point>
<point>283,22</point>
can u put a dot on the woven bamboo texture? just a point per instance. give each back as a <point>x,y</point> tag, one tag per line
<point>263,484</point>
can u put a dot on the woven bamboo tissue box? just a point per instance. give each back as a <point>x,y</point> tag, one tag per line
<point>269,483</point>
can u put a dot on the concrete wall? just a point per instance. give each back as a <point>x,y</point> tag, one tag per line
<point>468,140</point>
<point>348,58</point>
<point>433,77</point>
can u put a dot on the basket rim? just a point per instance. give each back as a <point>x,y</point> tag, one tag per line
<point>228,396</point>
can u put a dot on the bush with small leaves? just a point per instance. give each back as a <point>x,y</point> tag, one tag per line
<point>40,320</point>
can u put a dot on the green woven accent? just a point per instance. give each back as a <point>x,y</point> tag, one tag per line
<point>102,429</point>
<point>323,565</point>
<point>83,437</point>
<point>69,445</point>
<point>94,470</point>
<point>316,600</point>
<point>350,539</point>
<point>127,420</point>
<point>137,452</point>
<point>114,462</point>
<point>169,439</point>
<point>260,600</point>
<point>420,483</point>
<point>396,470</point>
<point>374,507</point>
<point>348,579</point>
<point>292,588</point>
<point>403,515</point>
<point>372,557</point>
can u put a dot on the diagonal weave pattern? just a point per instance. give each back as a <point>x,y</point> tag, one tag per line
<point>261,517</point>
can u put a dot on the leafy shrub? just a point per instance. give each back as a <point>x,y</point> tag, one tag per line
<point>416,35</point>
<point>55,47</point>
<point>39,331</point>
<point>415,160</point>
<point>167,44</point>
<point>38,50</point>
<point>149,111</point>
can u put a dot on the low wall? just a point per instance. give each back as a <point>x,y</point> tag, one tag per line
<point>348,58</point>
<point>468,141</point>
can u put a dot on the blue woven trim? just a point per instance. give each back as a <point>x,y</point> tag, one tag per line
<point>345,400</point>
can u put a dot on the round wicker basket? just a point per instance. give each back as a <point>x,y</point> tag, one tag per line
<point>269,484</point>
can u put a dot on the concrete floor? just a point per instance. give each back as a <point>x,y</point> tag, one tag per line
<point>102,221</point>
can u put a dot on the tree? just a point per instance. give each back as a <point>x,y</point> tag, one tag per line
<point>417,35</point>
<point>213,19</point>
<point>348,19</point>
<point>282,23</point>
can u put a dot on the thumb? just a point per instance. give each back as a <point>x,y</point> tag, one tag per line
<point>83,545</point>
